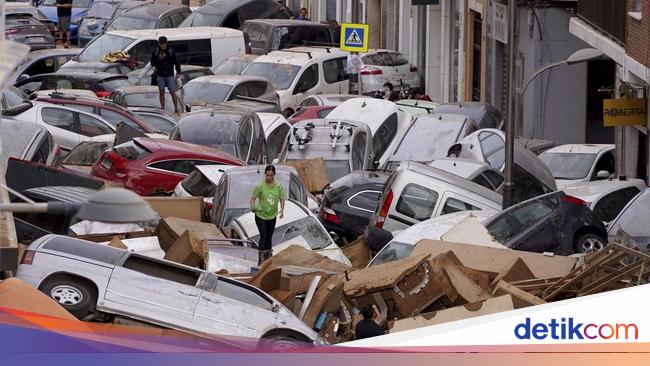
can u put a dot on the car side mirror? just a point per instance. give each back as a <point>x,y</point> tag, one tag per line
<point>301,88</point>
<point>22,77</point>
<point>334,236</point>
<point>602,174</point>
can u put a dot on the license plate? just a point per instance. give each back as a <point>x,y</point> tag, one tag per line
<point>36,39</point>
<point>107,163</point>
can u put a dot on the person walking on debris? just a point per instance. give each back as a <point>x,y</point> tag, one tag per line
<point>164,60</point>
<point>367,327</point>
<point>267,194</point>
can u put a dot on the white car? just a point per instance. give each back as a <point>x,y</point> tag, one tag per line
<point>276,130</point>
<point>299,226</point>
<point>477,171</point>
<point>201,182</point>
<point>574,163</point>
<point>381,66</point>
<point>214,89</point>
<point>298,72</point>
<point>633,220</point>
<point>386,121</point>
<point>404,241</point>
<point>606,198</point>
<point>320,100</point>
<point>417,107</point>
<point>68,126</point>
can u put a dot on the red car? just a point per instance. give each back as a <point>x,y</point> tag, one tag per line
<point>311,112</point>
<point>155,166</point>
<point>112,112</point>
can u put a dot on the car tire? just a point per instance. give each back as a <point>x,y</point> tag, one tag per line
<point>288,112</point>
<point>589,243</point>
<point>75,295</point>
<point>281,343</point>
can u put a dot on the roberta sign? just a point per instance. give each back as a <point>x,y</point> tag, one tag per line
<point>624,112</point>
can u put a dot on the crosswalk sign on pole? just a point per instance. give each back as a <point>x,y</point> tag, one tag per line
<point>354,37</point>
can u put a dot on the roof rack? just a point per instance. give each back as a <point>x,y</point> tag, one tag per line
<point>297,51</point>
<point>304,137</point>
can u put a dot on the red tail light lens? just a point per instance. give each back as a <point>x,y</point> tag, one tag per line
<point>9,32</point>
<point>371,71</point>
<point>103,93</point>
<point>413,68</point>
<point>329,215</point>
<point>28,257</point>
<point>384,210</point>
<point>574,201</point>
<point>208,205</point>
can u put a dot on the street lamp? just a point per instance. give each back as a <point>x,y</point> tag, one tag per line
<point>580,56</point>
<point>112,205</point>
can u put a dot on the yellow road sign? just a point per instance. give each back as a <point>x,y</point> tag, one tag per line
<point>354,37</point>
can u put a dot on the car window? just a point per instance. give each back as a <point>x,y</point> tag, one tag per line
<point>532,213</point>
<point>131,151</point>
<point>13,96</point>
<point>358,151</point>
<point>385,135</point>
<point>481,180</point>
<point>232,21</point>
<point>392,252</point>
<point>256,89</point>
<point>308,79</point>
<point>177,19</point>
<point>162,270</point>
<point>607,162</point>
<point>417,202</point>
<point>44,66</point>
<point>60,118</point>
<point>324,112</point>
<point>193,51</point>
<point>165,23</point>
<point>143,50</point>
<point>493,149</point>
<point>634,220</point>
<point>309,102</point>
<point>114,118</point>
<point>245,137</point>
<point>501,229</point>
<point>378,59</point>
<point>398,59</point>
<point>176,166</point>
<point>44,148</point>
<point>365,200</point>
<point>198,185</point>
<point>257,34</point>
<point>275,141</point>
<point>31,86</point>
<point>86,153</point>
<point>158,123</point>
<point>335,70</point>
<point>295,191</point>
<point>453,205</point>
<point>495,178</point>
<point>91,126</point>
<point>611,205</point>
<point>81,107</point>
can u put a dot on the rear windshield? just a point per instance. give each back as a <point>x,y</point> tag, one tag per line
<point>416,146</point>
<point>128,23</point>
<point>198,19</point>
<point>131,151</point>
<point>21,19</point>
<point>385,59</point>
<point>257,34</point>
<point>75,3</point>
<point>86,153</point>
<point>102,10</point>
<point>231,66</point>
<point>280,75</point>
<point>199,93</point>
<point>286,37</point>
<point>116,83</point>
<point>221,135</point>
<point>198,185</point>
<point>148,100</point>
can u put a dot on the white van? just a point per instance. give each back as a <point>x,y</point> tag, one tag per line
<point>204,46</point>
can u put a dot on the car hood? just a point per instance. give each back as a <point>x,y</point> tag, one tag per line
<point>50,12</point>
<point>563,183</point>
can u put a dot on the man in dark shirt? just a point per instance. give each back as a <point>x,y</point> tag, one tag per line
<point>64,12</point>
<point>164,60</point>
<point>367,327</point>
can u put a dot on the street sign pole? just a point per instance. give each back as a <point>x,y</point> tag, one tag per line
<point>508,184</point>
<point>354,39</point>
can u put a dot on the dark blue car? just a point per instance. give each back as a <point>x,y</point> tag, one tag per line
<point>79,11</point>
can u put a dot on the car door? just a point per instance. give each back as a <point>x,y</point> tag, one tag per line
<point>307,84</point>
<point>335,75</point>
<point>90,125</point>
<point>227,307</point>
<point>62,124</point>
<point>536,227</point>
<point>148,289</point>
<point>454,202</point>
<point>165,22</point>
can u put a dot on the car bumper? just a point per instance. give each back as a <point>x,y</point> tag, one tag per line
<point>349,234</point>
<point>376,238</point>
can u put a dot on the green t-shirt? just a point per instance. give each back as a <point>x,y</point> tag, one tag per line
<point>268,198</point>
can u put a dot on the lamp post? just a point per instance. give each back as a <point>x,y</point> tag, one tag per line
<point>580,56</point>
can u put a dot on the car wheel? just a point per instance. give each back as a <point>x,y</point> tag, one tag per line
<point>75,295</point>
<point>288,112</point>
<point>589,243</point>
<point>281,343</point>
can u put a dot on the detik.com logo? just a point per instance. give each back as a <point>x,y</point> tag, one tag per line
<point>568,328</point>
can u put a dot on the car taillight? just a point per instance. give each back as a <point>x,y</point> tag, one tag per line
<point>574,201</point>
<point>384,210</point>
<point>413,68</point>
<point>28,257</point>
<point>329,215</point>
<point>103,93</point>
<point>371,71</point>
<point>208,205</point>
<point>9,32</point>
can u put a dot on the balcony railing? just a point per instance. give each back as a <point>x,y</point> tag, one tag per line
<point>609,16</point>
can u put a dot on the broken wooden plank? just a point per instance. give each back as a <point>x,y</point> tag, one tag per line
<point>520,297</point>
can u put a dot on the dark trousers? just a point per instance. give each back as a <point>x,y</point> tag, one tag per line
<point>266,228</point>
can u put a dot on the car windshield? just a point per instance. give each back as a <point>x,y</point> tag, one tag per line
<point>198,185</point>
<point>86,153</point>
<point>128,23</point>
<point>75,3</point>
<point>115,83</point>
<point>102,45</point>
<point>148,100</point>
<point>415,144</point>
<point>199,19</point>
<point>337,168</point>
<point>392,252</point>
<point>199,93</point>
<point>280,75</point>
<point>221,135</point>
<point>568,165</point>
<point>230,66</point>
<point>101,10</point>
<point>306,230</point>
<point>242,184</point>
<point>634,220</point>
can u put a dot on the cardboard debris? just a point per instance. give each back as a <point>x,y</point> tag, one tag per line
<point>148,246</point>
<point>171,228</point>
<point>520,298</point>
<point>515,271</point>
<point>188,250</point>
<point>329,331</point>
<point>358,253</point>
<point>489,306</point>
<point>326,299</point>
<point>470,231</point>
<point>313,172</point>
<point>296,255</point>
<point>117,243</point>
<point>382,276</point>
<point>493,260</point>
<point>188,208</point>
<point>458,287</point>
<point>16,294</point>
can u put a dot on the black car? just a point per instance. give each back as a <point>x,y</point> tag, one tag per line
<point>266,35</point>
<point>150,15</point>
<point>233,13</point>
<point>349,202</point>
<point>102,83</point>
<point>553,222</point>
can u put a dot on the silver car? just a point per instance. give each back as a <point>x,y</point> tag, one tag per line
<point>26,29</point>
<point>94,281</point>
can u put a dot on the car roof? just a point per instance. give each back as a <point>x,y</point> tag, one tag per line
<point>67,194</point>
<point>135,89</point>
<point>361,177</point>
<point>271,119</point>
<point>83,74</point>
<point>171,146</point>
<point>217,6</point>
<point>89,65</point>
<point>299,56</point>
<point>465,168</point>
<point>451,179</point>
<point>293,211</point>
<point>150,10</point>
<point>213,172</point>
<point>590,191</point>
<point>178,33</point>
<point>227,79</point>
<point>581,148</point>
<point>288,22</point>
<point>242,56</point>
<point>436,227</point>
<point>38,54</point>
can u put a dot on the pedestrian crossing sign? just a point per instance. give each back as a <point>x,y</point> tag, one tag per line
<point>354,37</point>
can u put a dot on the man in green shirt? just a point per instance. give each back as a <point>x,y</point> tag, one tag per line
<point>264,203</point>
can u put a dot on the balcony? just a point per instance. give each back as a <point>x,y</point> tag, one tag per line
<point>609,16</point>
